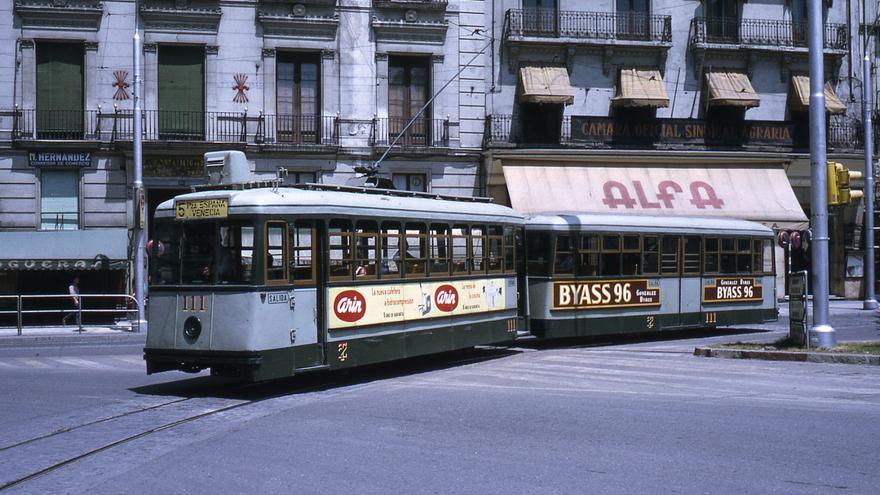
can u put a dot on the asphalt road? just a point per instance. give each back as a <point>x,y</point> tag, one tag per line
<point>641,416</point>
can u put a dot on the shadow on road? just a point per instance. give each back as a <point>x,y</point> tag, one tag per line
<point>210,386</point>
<point>639,338</point>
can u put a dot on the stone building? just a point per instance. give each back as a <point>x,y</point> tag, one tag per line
<point>672,107</point>
<point>317,87</point>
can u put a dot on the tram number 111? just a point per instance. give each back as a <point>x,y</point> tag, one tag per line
<point>711,318</point>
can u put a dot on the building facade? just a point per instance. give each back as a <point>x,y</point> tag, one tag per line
<point>319,88</point>
<point>636,105</point>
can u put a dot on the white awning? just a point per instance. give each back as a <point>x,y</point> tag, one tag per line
<point>544,84</point>
<point>800,96</point>
<point>641,88</point>
<point>749,192</point>
<point>730,89</point>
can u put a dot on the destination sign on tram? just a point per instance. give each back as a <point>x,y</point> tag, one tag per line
<point>733,289</point>
<point>202,208</point>
<point>602,294</point>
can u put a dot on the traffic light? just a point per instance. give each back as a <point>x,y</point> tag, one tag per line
<point>839,191</point>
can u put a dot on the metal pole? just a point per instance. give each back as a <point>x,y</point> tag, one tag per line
<point>867,103</point>
<point>867,106</point>
<point>138,185</point>
<point>821,331</point>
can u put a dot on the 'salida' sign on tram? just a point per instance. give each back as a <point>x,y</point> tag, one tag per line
<point>602,294</point>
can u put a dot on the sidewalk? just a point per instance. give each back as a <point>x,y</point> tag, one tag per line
<point>9,335</point>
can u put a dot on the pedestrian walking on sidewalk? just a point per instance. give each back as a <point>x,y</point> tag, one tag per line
<point>73,290</point>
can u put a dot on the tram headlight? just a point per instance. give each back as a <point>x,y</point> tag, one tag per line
<point>192,328</point>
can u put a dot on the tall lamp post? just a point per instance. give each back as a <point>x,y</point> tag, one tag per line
<point>822,334</point>
<point>138,183</point>
<point>867,108</point>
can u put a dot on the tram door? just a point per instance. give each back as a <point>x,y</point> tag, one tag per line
<point>304,267</point>
<point>670,268</point>
<point>691,283</point>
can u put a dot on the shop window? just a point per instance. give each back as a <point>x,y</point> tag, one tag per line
<point>298,98</point>
<point>540,123</point>
<point>59,199</point>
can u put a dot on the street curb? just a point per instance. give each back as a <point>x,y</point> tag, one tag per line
<point>54,339</point>
<point>804,357</point>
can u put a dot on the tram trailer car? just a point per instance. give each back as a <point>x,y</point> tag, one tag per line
<point>612,274</point>
<point>268,282</point>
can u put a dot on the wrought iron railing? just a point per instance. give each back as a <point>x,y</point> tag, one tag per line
<point>845,136</point>
<point>170,125</point>
<point>423,133</point>
<point>763,32</point>
<point>549,23</point>
<point>434,4</point>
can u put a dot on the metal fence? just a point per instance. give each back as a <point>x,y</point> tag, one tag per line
<point>764,32</point>
<point>422,133</point>
<point>45,310</point>
<point>551,23</point>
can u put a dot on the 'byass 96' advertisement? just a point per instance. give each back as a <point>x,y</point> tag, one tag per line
<point>373,304</point>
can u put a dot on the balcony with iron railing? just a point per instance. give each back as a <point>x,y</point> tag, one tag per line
<point>763,34</point>
<point>273,131</point>
<point>505,131</point>
<point>423,133</point>
<point>537,26</point>
<point>411,4</point>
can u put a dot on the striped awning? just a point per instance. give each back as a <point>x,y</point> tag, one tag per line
<point>730,89</point>
<point>544,84</point>
<point>800,96</point>
<point>641,88</point>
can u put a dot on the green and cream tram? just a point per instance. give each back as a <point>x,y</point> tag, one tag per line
<point>611,274</point>
<point>267,282</point>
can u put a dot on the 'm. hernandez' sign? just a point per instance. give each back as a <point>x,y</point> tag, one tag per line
<point>59,159</point>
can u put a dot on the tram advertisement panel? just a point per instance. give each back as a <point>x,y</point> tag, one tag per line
<point>733,289</point>
<point>374,304</point>
<point>603,294</point>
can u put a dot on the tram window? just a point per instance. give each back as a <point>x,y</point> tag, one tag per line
<point>757,255</point>
<point>478,248</point>
<point>301,260</point>
<point>768,255</point>
<point>494,250</point>
<point>669,255</point>
<point>692,255</point>
<point>165,260</point>
<point>509,250</point>
<point>276,264</point>
<point>460,249</point>
<point>631,255</point>
<point>537,254</point>
<point>564,259</point>
<point>728,255</point>
<point>743,256</point>
<point>236,256</point>
<point>610,262</point>
<point>366,243</point>
<point>340,259</point>
<point>414,253</point>
<point>197,256</point>
<point>390,249</point>
<point>589,256</point>
<point>710,264</point>
<point>439,253</point>
<point>651,255</point>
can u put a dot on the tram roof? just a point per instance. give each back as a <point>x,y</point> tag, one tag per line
<point>644,223</point>
<point>288,200</point>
